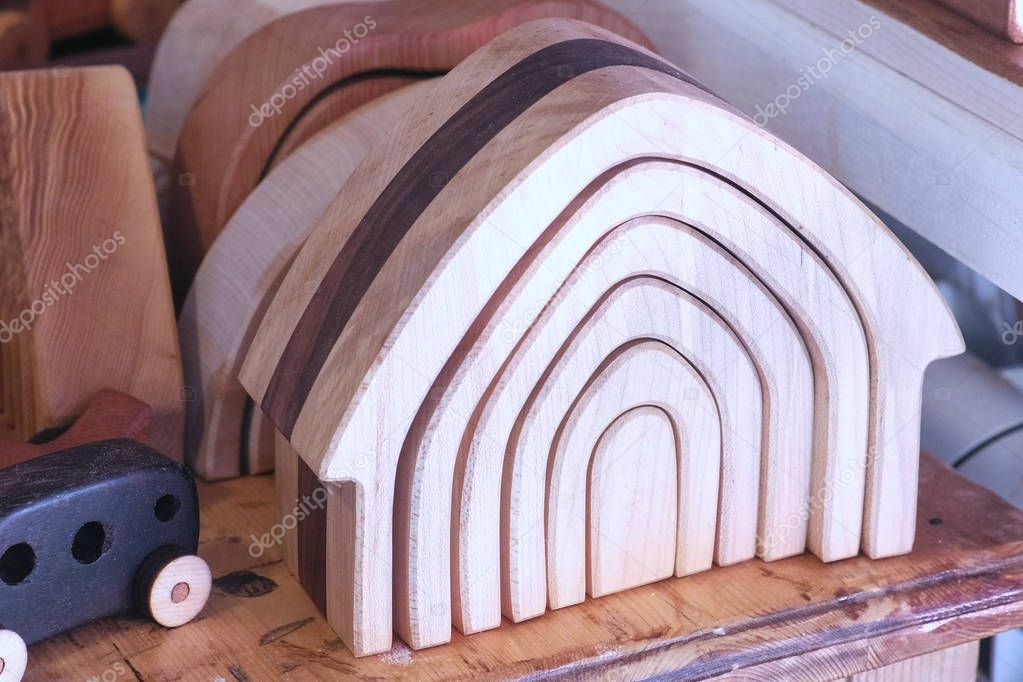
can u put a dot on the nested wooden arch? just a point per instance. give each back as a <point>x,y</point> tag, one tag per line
<point>303,68</point>
<point>608,317</point>
<point>633,468</point>
<point>331,366</point>
<point>650,373</point>
<point>645,373</point>
<point>519,418</point>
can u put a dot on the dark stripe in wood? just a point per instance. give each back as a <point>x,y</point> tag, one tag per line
<point>412,190</point>
<point>312,535</point>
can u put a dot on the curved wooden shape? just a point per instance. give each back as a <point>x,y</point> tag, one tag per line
<point>109,415</point>
<point>779,467</point>
<point>263,86</point>
<point>647,374</point>
<point>243,268</point>
<point>631,502</point>
<point>199,36</point>
<point>698,333</point>
<point>84,295</point>
<point>415,222</point>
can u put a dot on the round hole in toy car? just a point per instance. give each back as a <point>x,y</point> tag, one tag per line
<point>91,541</point>
<point>167,508</point>
<point>17,563</point>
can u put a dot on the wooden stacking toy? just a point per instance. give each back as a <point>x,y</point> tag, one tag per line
<point>575,325</point>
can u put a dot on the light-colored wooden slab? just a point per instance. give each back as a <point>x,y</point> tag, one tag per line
<point>439,229</point>
<point>645,374</point>
<point>83,254</point>
<point>243,268</point>
<point>632,503</point>
<point>272,77</point>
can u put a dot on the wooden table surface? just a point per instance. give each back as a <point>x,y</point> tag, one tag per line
<point>964,581</point>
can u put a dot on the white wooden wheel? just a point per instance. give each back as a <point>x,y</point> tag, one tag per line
<point>13,656</point>
<point>179,591</point>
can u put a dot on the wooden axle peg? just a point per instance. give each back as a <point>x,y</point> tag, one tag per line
<point>172,586</point>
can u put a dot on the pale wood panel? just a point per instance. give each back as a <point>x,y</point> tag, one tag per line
<point>632,503</point>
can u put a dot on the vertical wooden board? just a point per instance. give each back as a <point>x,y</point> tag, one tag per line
<point>632,502</point>
<point>89,293</point>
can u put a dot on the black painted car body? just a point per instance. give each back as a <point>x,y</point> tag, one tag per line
<point>76,525</point>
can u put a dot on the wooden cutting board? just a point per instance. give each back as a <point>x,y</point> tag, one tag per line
<point>423,243</point>
<point>285,70</point>
<point>84,280</point>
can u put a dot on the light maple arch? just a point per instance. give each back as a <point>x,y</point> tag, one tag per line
<point>225,144</point>
<point>84,274</point>
<point>485,200</point>
<point>240,273</point>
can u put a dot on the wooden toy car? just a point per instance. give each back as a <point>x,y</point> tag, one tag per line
<point>93,531</point>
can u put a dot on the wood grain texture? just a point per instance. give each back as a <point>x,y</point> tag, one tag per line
<point>631,503</point>
<point>775,462</point>
<point>85,281</point>
<point>276,72</point>
<point>796,619</point>
<point>109,414</point>
<point>310,378</point>
<point>639,308</point>
<point>955,664</point>
<point>240,274</point>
